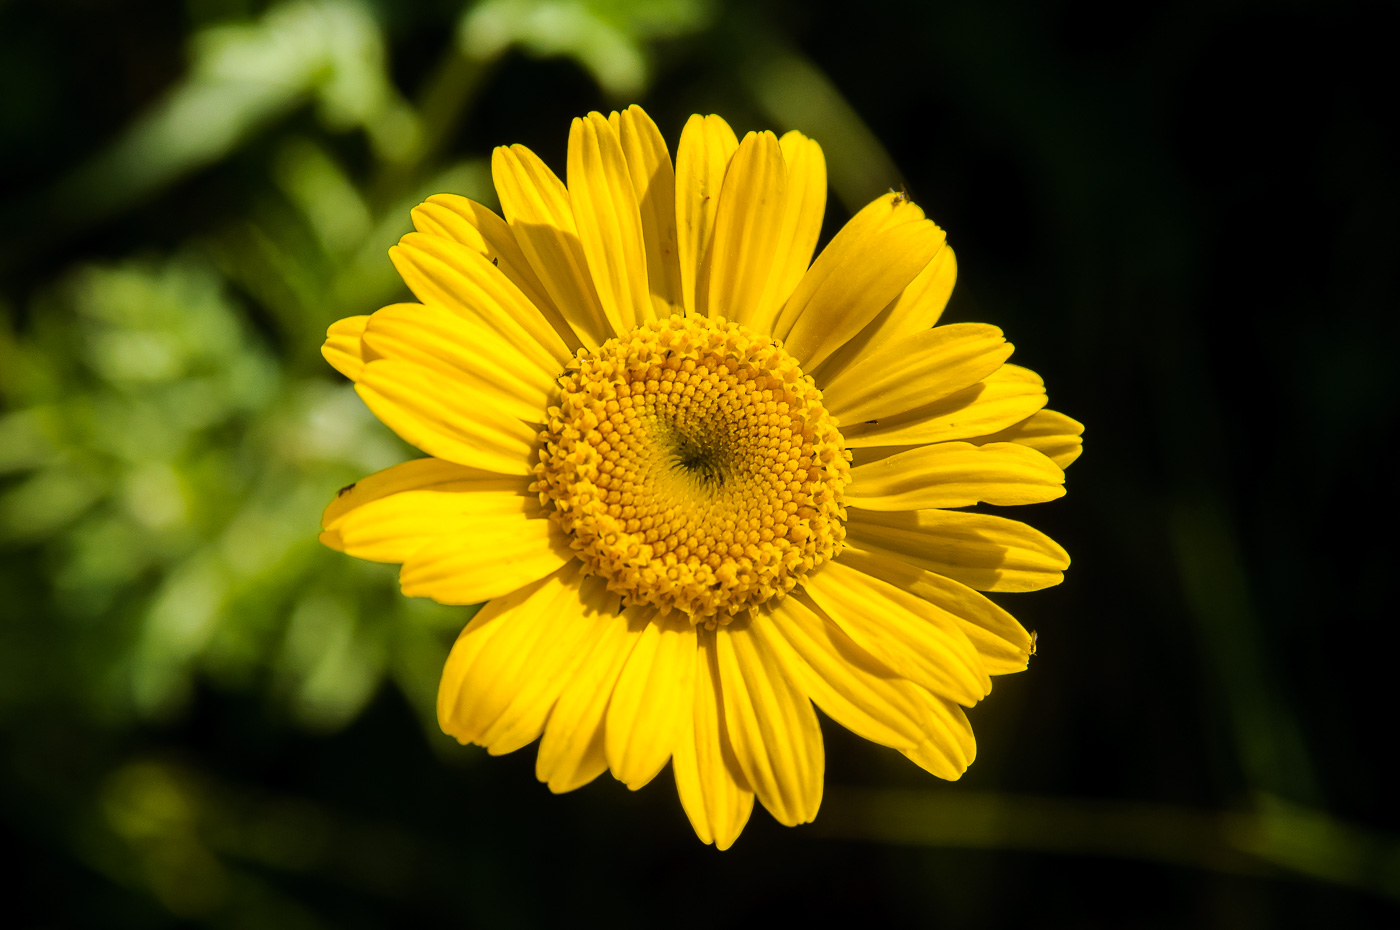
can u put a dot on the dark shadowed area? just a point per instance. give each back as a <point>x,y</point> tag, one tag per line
<point>1182,214</point>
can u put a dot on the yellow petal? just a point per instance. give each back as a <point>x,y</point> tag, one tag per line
<point>748,233</point>
<point>707,144</point>
<point>499,551</point>
<point>536,205</point>
<point>1047,431</point>
<point>342,346</point>
<point>849,684</point>
<point>446,419</point>
<point>853,279</point>
<point>654,181</point>
<point>917,308</point>
<point>804,208</point>
<point>465,350</point>
<point>708,780</point>
<point>983,552</point>
<point>609,222</point>
<point>772,727</point>
<point>951,748</point>
<point>477,227</point>
<point>1003,643</point>
<point>391,515</point>
<point>651,701</point>
<point>956,474</point>
<point>915,371</point>
<point>571,751</point>
<point>446,274</point>
<point>519,652</point>
<point>1004,397</point>
<point>911,636</point>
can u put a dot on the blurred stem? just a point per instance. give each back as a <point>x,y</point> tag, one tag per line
<point>442,105</point>
<point>1276,838</point>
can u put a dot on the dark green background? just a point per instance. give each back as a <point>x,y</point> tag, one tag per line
<point>1182,214</point>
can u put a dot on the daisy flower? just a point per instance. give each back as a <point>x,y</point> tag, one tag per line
<point>701,481</point>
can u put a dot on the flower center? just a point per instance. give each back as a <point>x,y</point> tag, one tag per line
<point>694,467</point>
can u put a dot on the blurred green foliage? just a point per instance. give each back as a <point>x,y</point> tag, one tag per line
<point>206,717</point>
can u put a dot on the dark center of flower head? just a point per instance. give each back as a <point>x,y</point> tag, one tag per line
<point>694,467</point>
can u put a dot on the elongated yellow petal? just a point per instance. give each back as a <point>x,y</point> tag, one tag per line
<point>772,727</point>
<point>854,688</point>
<point>500,551</point>
<point>852,281</point>
<point>909,373</point>
<point>445,419</point>
<point>748,232</point>
<point>911,636</point>
<point>448,274</point>
<point>1000,640</point>
<point>654,181</point>
<point>477,227</point>
<point>418,474</point>
<point>708,780</point>
<point>536,205</point>
<point>652,700</point>
<point>342,346</point>
<point>951,748</point>
<point>572,749</point>
<point>956,474</point>
<point>804,208</point>
<point>511,676</point>
<point>479,676</point>
<point>983,552</point>
<point>1006,396</point>
<point>609,222</point>
<point>392,523</point>
<point>465,350</point>
<point>1047,431</point>
<point>707,144</point>
<point>917,308</point>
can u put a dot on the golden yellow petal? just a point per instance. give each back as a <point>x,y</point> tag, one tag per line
<point>342,346</point>
<point>708,780</point>
<point>517,657</point>
<point>849,684</point>
<point>1000,640</point>
<point>804,208</point>
<point>772,727</point>
<point>951,748</point>
<point>571,751</point>
<point>983,552</point>
<point>652,700</point>
<point>499,551</point>
<point>445,418</point>
<point>447,274</point>
<point>853,279</point>
<point>956,474</point>
<point>1047,431</point>
<point>707,144</point>
<point>910,635</point>
<point>609,222</point>
<point>477,227</point>
<point>654,181</point>
<point>465,350</point>
<point>1004,397</point>
<point>553,665</point>
<point>536,204</point>
<point>748,233</point>
<point>912,372</point>
<point>917,308</point>
<point>390,516</point>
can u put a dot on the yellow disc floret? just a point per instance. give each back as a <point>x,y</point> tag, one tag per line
<point>694,467</point>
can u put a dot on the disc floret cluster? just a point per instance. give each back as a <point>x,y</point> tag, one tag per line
<point>693,466</point>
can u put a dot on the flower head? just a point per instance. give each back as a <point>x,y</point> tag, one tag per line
<point>700,484</point>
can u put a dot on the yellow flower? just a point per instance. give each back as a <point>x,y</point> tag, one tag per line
<point>701,484</point>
